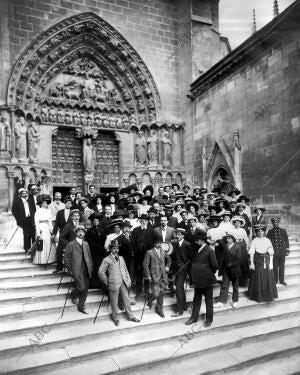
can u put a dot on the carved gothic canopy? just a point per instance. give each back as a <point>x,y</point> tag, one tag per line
<point>81,71</point>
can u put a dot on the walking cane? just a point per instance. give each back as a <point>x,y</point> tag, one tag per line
<point>99,308</point>
<point>146,297</point>
<point>62,275</point>
<point>11,238</point>
<point>67,296</point>
<point>185,307</point>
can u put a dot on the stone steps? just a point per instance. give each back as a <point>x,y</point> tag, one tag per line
<point>159,346</point>
<point>35,339</point>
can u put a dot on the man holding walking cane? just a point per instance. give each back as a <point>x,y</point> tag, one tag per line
<point>78,260</point>
<point>114,274</point>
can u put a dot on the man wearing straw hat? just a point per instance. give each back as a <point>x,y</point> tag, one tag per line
<point>79,263</point>
<point>114,274</point>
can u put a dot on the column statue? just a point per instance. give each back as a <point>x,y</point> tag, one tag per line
<point>152,148</point>
<point>5,134</point>
<point>166,149</point>
<point>89,159</point>
<point>33,141</point>
<point>140,147</point>
<point>21,142</point>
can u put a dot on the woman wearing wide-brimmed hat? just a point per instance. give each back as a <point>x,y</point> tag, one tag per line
<point>97,202</point>
<point>192,207</point>
<point>259,218</point>
<point>144,203</point>
<point>115,227</point>
<point>262,286</point>
<point>43,226</point>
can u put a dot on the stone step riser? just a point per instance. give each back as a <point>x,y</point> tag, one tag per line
<point>155,365</point>
<point>104,313</point>
<point>143,329</point>
<point>47,286</point>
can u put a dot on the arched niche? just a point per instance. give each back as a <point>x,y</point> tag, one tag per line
<point>178,179</point>
<point>132,179</point>
<point>169,179</point>
<point>82,69</point>
<point>32,176</point>
<point>158,181</point>
<point>3,189</point>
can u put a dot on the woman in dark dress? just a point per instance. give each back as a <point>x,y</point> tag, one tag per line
<point>262,286</point>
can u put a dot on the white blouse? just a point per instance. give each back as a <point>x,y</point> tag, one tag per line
<point>261,245</point>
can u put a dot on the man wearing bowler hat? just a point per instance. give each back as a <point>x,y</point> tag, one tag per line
<point>183,258</point>
<point>79,263</point>
<point>204,266</point>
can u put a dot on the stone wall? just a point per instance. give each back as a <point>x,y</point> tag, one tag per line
<point>149,26</point>
<point>260,99</point>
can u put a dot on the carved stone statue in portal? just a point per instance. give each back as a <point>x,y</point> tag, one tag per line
<point>152,147</point>
<point>33,141</point>
<point>89,159</point>
<point>5,134</point>
<point>140,147</point>
<point>166,149</point>
<point>20,137</point>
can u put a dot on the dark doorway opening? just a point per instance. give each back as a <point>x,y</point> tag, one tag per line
<point>64,190</point>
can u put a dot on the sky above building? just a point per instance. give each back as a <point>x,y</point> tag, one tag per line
<point>236,17</point>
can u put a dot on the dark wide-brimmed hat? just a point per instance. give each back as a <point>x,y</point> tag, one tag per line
<point>150,188</point>
<point>234,191</point>
<point>173,185</point>
<point>43,198</point>
<point>144,217</point>
<point>193,204</point>
<point>84,199</point>
<point>115,222</point>
<point>114,243</point>
<point>67,199</point>
<point>95,215</point>
<point>229,234</point>
<point>147,198</point>
<point>243,197</point>
<point>127,223</point>
<point>259,208</point>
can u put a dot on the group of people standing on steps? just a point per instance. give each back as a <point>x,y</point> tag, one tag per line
<point>150,242</point>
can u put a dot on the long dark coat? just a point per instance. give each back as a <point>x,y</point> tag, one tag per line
<point>204,266</point>
<point>73,258</point>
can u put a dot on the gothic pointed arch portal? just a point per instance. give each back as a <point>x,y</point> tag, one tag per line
<point>220,172</point>
<point>84,80</point>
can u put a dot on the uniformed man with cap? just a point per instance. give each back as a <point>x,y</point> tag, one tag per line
<point>280,241</point>
<point>78,260</point>
<point>114,274</point>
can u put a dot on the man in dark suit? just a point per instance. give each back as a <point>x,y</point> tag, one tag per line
<point>163,232</point>
<point>204,266</point>
<point>72,194</point>
<point>95,237</point>
<point>280,241</point>
<point>68,234</point>
<point>156,266</point>
<point>184,224</point>
<point>32,198</point>
<point>24,217</point>
<point>127,246</point>
<point>79,263</point>
<point>154,220</point>
<point>143,241</point>
<point>183,258</point>
<point>91,195</point>
<point>192,233</point>
<point>62,218</point>
<point>106,219</point>
<point>172,220</point>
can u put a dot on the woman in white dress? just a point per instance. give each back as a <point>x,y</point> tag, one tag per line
<point>43,225</point>
<point>116,230</point>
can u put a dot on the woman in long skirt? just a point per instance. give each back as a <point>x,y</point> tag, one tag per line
<point>43,225</point>
<point>262,286</point>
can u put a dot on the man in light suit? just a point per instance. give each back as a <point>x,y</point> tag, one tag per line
<point>79,263</point>
<point>164,233</point>
<point>114,274</point>
<point>156,266</point>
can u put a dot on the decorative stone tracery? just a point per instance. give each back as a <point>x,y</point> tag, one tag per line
<point>82,70</point>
